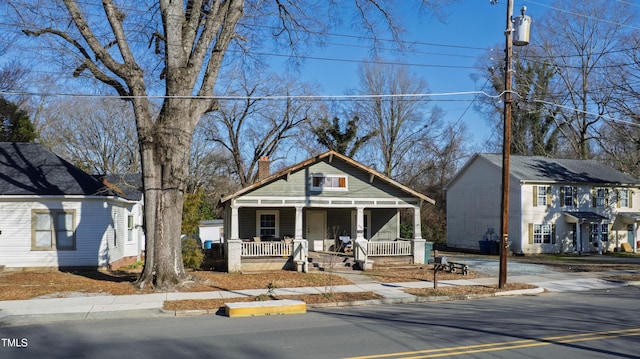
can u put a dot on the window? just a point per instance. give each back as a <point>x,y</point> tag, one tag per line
<point>600,197</point>
<point>267,224</point>
<point>542,196</point>
<point>623,198</point>
<point>542,233</point>
<point>569,196</point>
<point>329,183</point>
<point>129,228</point>
<point>53,230</point>
<point>601,229</point>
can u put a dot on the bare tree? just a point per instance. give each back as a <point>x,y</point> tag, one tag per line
<point>620,138</point>
<point>393,113</point>
<point>97,136</point>
<point>256,125</point>
<point>577,38</point>
<point>174,50</point>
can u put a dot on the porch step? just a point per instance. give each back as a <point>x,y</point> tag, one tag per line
<point>323,261</point>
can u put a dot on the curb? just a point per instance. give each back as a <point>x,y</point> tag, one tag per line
<point>361,303</point>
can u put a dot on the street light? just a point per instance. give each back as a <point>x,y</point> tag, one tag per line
<point>522,37</point>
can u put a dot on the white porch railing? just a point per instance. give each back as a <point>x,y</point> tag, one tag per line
<point>267,249</point>
<point>389,248</point>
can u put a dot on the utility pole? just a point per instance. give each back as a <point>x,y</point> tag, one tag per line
<point>522,39</point>
<point>506,147</point>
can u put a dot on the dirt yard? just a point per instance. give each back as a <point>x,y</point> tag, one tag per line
<point>27,285</point>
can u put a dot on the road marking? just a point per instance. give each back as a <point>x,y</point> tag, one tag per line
<point>516,344</point>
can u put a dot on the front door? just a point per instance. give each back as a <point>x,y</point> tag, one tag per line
<point>316,228</point>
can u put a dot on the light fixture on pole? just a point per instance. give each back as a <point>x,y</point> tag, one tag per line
<point>521,36</point>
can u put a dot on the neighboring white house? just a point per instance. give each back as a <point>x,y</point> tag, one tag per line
<point>54,215</point>
<point>211,230</point>
<point>555,205</point>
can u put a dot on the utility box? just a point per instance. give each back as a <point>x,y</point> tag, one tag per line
<point>521,29</point>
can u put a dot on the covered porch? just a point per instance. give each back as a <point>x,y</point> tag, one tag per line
<point>631,220</point>
<point>268,229</point>
<point>590,231</point>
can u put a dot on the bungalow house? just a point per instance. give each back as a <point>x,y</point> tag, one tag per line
<point>326,200</point>
<point>555,205</point>
<point>54,215</point>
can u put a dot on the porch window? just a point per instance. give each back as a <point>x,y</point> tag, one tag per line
<point>601,229</point>
<point>542,233</point>
<point>53,230</point>
<point>328,183</point>
<point>600,197</point>
<point>267,224</point>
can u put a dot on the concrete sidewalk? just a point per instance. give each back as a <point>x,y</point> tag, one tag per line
<point>150,305</point>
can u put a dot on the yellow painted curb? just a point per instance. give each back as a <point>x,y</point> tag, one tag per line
<point>267,307</point>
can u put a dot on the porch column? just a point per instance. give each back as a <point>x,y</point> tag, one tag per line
<point>578,237</point>
<point>298,225</point>
<point>599,237</point>
<point>234,255</point>
<point>417,228</point>
<point>360,223</point>
<point>235,233</point>
<point>635,237</point>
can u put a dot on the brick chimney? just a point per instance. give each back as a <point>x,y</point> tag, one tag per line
<point>263,168</point>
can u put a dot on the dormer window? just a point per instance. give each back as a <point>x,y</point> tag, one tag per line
<point>328,183</point>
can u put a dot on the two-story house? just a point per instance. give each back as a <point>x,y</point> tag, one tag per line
<point>555,205</point>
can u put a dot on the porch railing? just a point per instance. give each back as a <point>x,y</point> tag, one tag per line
<point>267,249</point>
<point>389,248</point>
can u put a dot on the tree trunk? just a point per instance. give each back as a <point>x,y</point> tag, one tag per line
<point>165,166</point>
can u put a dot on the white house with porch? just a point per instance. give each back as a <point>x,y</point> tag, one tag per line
<point>555,205</point>
<point>318,203</point>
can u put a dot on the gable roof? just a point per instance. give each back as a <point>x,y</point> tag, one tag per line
<point>30,169</point>
<point>330,155</point>
<point>545,169</point>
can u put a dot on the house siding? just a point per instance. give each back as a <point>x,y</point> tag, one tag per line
<point>91,222</point>
<point>553,214</point>
<point>297,184</point>
<point>473,205</point>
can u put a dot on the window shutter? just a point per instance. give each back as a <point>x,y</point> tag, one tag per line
<point>535,196</point>
<point>530,233</point>
<point>561,196</point>
<point>594,195</point>
<point>618,198</point>
<point>553,234</point>
<point>606,197</point>
<point>575,196</point>
<point>549,197</point>
<point>630,196</point>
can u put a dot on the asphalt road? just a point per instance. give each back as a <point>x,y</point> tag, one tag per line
<point>592,324</point>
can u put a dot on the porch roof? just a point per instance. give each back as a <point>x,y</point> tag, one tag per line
<point>575,217</point>
<point>329,154</point>
<point>630,217</point>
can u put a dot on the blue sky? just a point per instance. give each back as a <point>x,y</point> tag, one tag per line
<point>445,56</point>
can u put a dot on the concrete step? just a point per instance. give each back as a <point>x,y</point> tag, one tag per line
<point>324,261</point>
